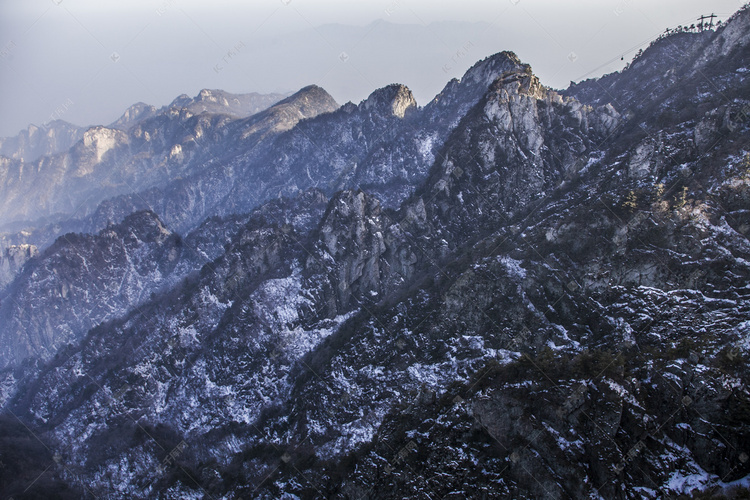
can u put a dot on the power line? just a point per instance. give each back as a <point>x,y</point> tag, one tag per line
<point>640,45</point>
<point>631,49</point>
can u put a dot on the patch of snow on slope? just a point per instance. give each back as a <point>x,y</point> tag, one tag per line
<point>277,301</point>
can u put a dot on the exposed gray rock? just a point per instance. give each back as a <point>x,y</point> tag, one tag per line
<point>13,259</point>
<point>559,310</point>
<point>51,138</point>
<point>398,99</point>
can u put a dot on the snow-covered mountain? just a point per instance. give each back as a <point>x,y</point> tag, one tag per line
<point>186,167</point>
<point>54,137</point>
<point>511,292</point>
<point>143,149</point>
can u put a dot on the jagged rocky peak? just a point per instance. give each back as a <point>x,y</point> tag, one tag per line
<point>307,102</point>
<point>216,101</point>
<point>487,70</point>
<point>180,101</point>
<point>133,115</point>
<point>480,76</point>
<point>219,97</point>
<point>33,130</point>
<point>315,96</point>
<point>211,96</point>
<point>513,88</point>
<point>395,100</point>
<point>52,128</point>
<point>31,143</point>
<point>519,81</point>
<point>98,133</point>
<point>459,96</point>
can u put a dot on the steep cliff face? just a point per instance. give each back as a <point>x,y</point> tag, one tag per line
<point>350,252</point>
<point>513,149</point>
<point>12,260</point>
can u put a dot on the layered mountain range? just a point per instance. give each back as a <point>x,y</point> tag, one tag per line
<point>510,292</point>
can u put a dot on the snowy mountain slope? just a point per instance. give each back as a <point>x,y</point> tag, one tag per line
<point>54,137</point>
<point>85,280</point>
<point>559,310</point>
<point>82,281</point>
<point>385,144</point>
<point>233,340</point>
<point>169,147</point>
<point>149,148</point>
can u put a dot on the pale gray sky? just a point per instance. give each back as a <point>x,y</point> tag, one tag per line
<point>85,61</point>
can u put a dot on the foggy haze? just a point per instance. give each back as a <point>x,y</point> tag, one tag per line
<point>86,61</point>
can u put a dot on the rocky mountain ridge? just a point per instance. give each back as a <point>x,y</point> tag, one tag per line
<point>58,136</point>
<point>403,149</point>
<point>33,142</point>
<point>145,147</point>
<point>557,309</point>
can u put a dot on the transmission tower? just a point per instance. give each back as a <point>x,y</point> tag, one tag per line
<point>702,24</point>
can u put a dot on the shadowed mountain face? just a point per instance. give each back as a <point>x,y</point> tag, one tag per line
<point>83,280</point>
<point>510,292</point>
